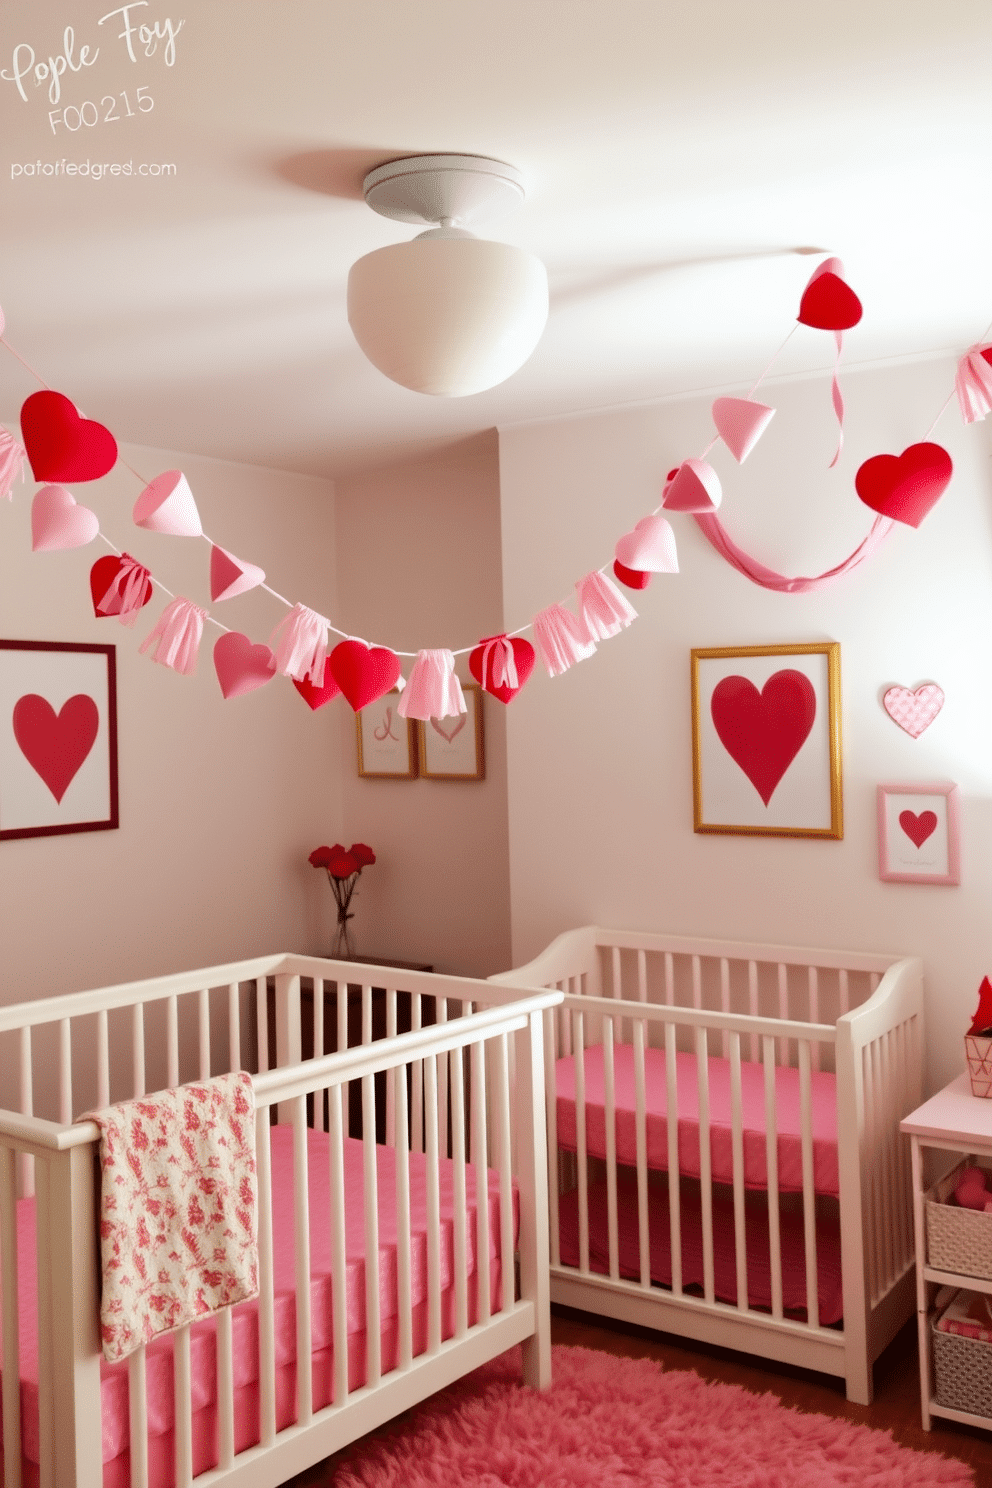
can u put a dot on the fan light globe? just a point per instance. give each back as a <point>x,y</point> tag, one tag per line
<point>448,314</point>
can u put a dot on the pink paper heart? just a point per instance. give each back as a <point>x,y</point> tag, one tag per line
<point>166,505</point>
<point>914,711</point>
<point>740,423</point>
<point>57,521</point>
<point>240,666</point>
<point>918,828</point>
<point>650,548</point>
<point>454,728</point>
<point>695,487</point>
<point>230,576</point>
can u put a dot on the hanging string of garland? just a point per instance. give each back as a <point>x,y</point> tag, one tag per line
<point>62,446</point>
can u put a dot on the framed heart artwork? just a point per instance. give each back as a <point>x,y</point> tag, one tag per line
<point>918,833</point>
<point>387,743</point>
<point>766,740</point>
<point>453,748</point>
<point>58,738</point>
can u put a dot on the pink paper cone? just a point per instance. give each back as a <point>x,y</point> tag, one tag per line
<point>561,639</point>
<point>230,576</point>
<point>12,461</point>
<point>58,522</point>
<point>166,505</point>
<point>740,423</point>
<point>300,645</point>
<point>178,632</point>
<point>432,689</point>
<point>973,384</point>
<point>603,610</point>
<point>695,487</point>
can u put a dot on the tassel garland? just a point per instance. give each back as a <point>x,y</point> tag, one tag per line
<point>498,666</point>
<point>973,384</point>
<point>12,460</point>
<point>300,645</point>
<point>179,630</point>
<point>603,609</point>
<point>130,586</point>
<point>561,639</point>
<point>432,690</point>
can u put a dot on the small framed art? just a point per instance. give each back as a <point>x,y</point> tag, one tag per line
<point>58,738</point>
<point>766,740</point>
<point>918,833</point>
<point>453,748</point>
<point>387,743</point>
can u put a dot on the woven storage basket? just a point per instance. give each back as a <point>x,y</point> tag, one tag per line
<point>963,1372</point>
<point>958,1240</point>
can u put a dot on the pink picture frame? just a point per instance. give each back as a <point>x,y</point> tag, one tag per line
<point>919,833</point>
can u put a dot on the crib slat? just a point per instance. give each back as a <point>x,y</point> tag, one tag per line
<point>433,1207</point>
<point>809,1187</point>
<point>669,979</point>
<point>11,1330</point>
<point>172,1041</point>
<point>336,1222</point>
<point>342,1043</point>
<point>609,1076</point>
<point>65,1071</point>
<point>674,1184</point>
<point>138,1049</point>
<point>27,1108</point>
<point>771,1161</point>
<point>301,1235</point>
<point>266,1303</point>
<point>262,1022</point>
<point>416,1080</point>
<point>391,1081</point>
<point>737,1150</point>
<point>705,1160</point>
<point>642,976</point>
<point>578,1044</point>
<point>234,1026</point>
<point>441,1015</point>
<point>783,1010</point>
<point>318,1021</point>
<point>183,1403</point>
<point>457,1088</point>
<point>502,1104</point>
<point>697,982</point>
<point>725,1003</point>
<point>843,991</point>
<point>813,976</point>
<point>102,1060</point>
<point>752,1004</point>
<point>616,972</point>
<point>870,1158</point>
<point>46,1326</point>
<point>640,1119</point>
<point>203,1040</point>
<point>404,1302</point>
<point>551,1121</point>
<point>370,1185</point>
<point>137,1395</point>
<point>480,1162</point>
<point>225,1389</point>
<point>880,1051</point>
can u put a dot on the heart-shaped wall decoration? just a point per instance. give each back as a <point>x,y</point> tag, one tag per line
<point>230,576</point>
<point>905,487</point>
<point>166,505</point>
<point>56,745</point>
<point>57,521</point>
<point>60,445</point>
<point>241,666</point>
<point>631,576</point>
<point>764,731</point>
<point>918,828</point>
<point>914,711</point>
<point>829,303</point>
<point>451,728</point>
<point>740,423</point>
<point>102,575</point>
<point>481,666</point>
<point>695,487</point>
<point>363,672</point>
<point>315,697</point>
<point>650,548</point>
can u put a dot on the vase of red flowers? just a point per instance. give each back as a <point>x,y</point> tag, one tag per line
<point>344,869</point>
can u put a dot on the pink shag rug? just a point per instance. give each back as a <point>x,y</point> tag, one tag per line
<point>611,1422</point>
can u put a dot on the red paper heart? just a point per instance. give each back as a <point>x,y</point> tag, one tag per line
<point>632,577</point>
<point>918,828</point>
<point>764,731</point>
<point>362,672</point>
<point>56,744</point>
<point>452,730</point>
<point>62,446</point>
<point>828,304</point>
<point>523,658</point>
<point>905,487</point>
<point>240,666</point>
<point>102,575</point>
<point>315,697</point>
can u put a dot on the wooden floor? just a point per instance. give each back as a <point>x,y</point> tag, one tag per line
<point>896,1407</point>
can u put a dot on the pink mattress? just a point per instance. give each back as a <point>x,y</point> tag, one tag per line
<point>759,1274</point>
<point>790,1155</point>
<point>245,1316</point>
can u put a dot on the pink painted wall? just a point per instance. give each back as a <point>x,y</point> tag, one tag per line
<point>220,802</point>
<point>419,567</point>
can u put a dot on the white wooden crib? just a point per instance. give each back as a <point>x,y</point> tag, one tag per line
<point>772,1080</point>
<point>444,1102</point>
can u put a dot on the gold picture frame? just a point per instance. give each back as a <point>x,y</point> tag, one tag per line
<point>454,748</point>
<point>767,764</point>
<point>387,743</point>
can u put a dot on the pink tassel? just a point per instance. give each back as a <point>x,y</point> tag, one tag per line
<point>603,609</point>
<point>432,690</point>
<point>129,583</point>
<point>561,639</point>
<point>973,385</point>
<point>499,665</point>
<point>12,458</point>
<point>179,630</point>
<point>301,648</point>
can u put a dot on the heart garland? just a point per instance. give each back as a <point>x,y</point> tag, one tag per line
<point>61,445</point>
<point>362,672</point>
<point>905,487</point>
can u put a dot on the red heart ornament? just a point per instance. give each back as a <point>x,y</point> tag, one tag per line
<point>905,487</point>
<point>828,302</point>
<point>630,576</point>
<point>240,666</point>
<point>61,446</point>
<point>918,828</point>
<point>56,744</point>
<point>315,697</point>
<point>102,575</point>
<point>363,672</point>
<point>764,731</point>
<point>523,660</point>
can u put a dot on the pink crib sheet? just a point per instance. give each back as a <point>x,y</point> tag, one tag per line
<point>787,1108</point>
<point>759,1273</point>
<point>245,1316</point>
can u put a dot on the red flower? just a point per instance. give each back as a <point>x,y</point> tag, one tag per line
<point>343,865</point>
<point>320,857</point>
<point>363,855</point>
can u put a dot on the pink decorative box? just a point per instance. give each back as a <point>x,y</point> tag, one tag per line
<point>978,1052</point>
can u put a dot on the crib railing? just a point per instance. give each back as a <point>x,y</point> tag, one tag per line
<point>450,1085</point>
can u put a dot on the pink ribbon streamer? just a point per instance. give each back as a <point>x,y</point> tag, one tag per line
<point>837,398</point>
<point>499,665</point>
<point>973,385</point>
<point>299,643</point>
<point>716,534</point>
<point>129,585</point>
<point>561,639</point>
<point>179,630</point>
<point>12,458</point>
<point>432,690</point>
<point>604,611</point>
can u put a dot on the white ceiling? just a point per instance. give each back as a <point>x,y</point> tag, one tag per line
<point>677,156</point>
